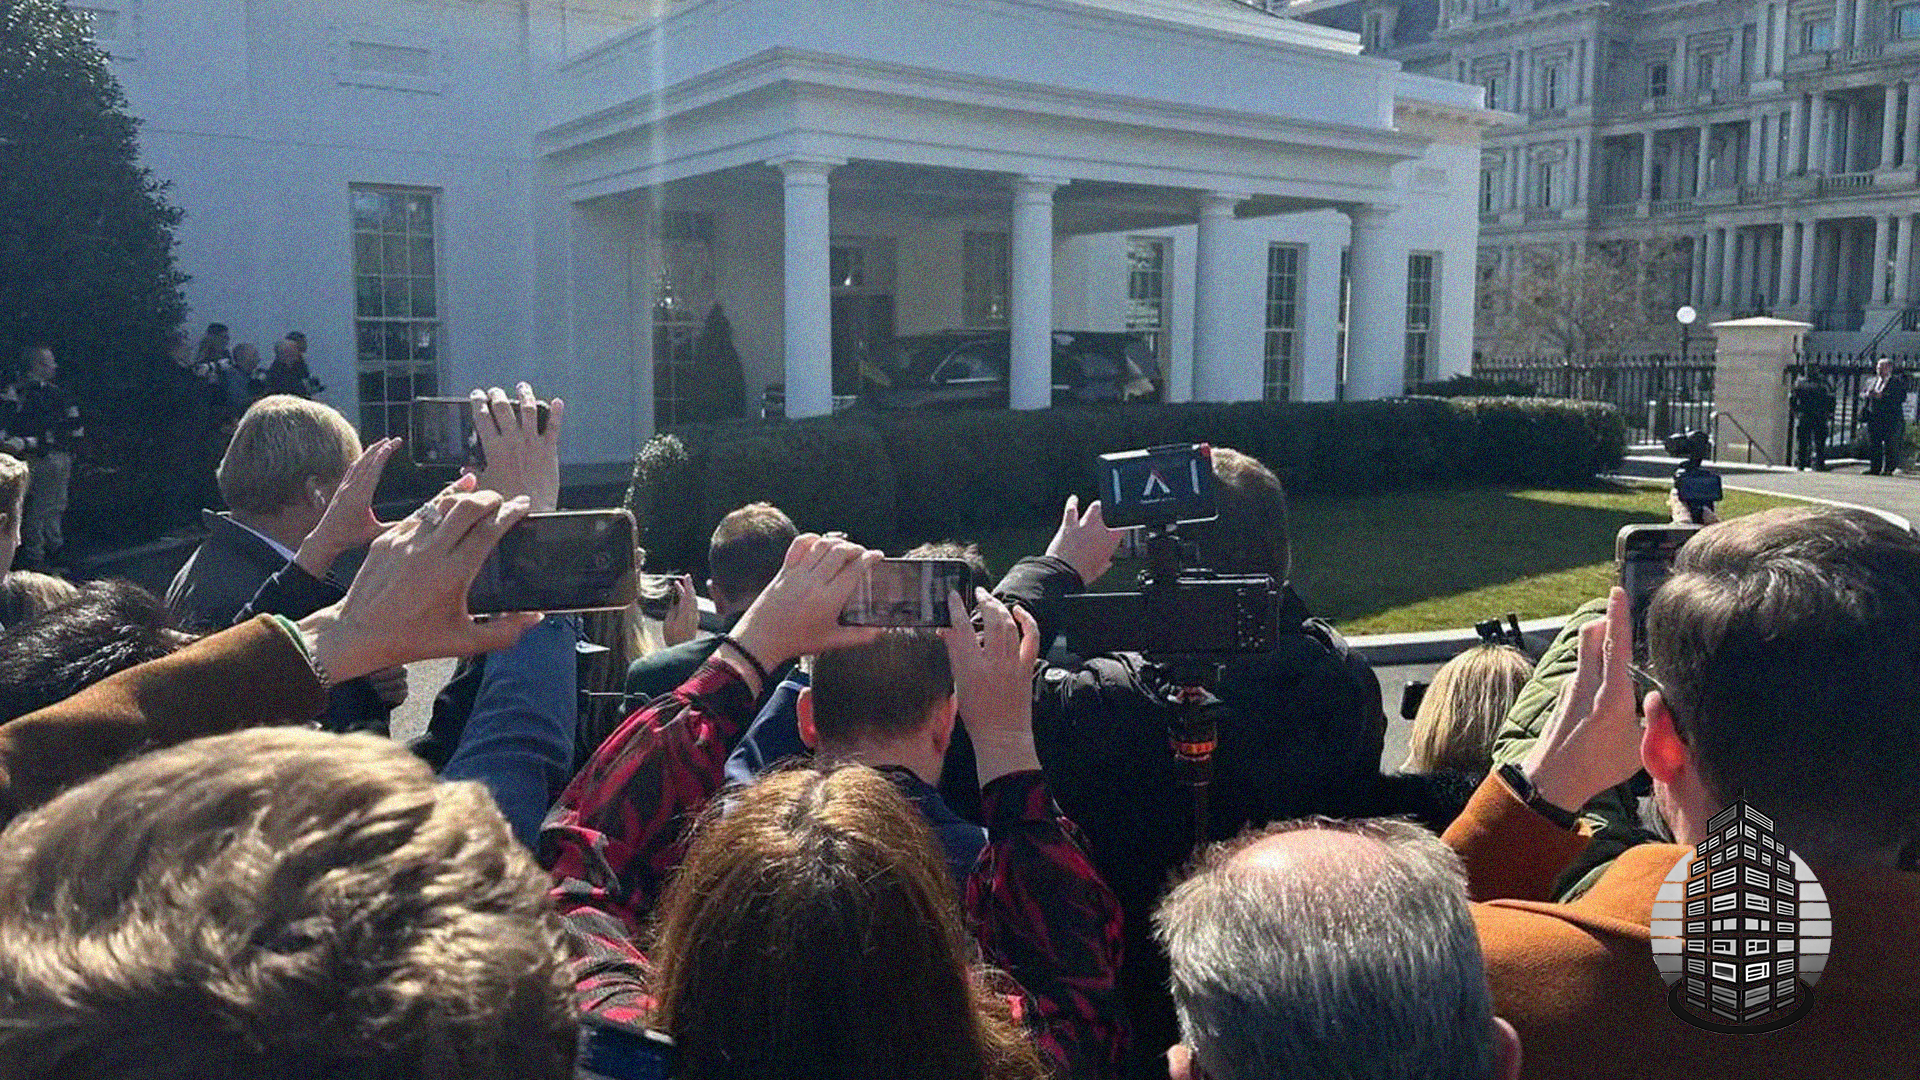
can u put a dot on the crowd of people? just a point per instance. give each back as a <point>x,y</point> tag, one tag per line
<point>791,848</point>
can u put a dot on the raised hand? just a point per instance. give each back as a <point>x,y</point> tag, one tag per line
<point>409,600</point>
<point>799,612</point>
<point>1084,541</point>
<point>521,458</point>
<point>349,520</point>
<point>683,613</point>
<point>1592,740</point>
<point>993,681</point>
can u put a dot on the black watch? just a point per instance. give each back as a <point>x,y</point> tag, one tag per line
<point>1524,790</point>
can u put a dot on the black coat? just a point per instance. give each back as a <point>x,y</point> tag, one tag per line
<point>1886,409</point>
<point>1301,731</point>
<point>219,585</point>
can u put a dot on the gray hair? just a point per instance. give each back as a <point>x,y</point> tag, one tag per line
<point>1349,962</point>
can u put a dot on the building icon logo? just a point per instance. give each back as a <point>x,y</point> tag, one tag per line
<point>1741,929</point>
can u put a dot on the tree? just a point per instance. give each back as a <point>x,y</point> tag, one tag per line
<point>86,233</point>
<point>1613,298</point>
<point>718,385</point>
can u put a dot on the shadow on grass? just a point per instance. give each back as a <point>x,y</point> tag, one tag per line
<point>1358,557</point>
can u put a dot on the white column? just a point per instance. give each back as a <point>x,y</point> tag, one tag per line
<point>1376,309</point>
<point>809,288</point>
<point>1220,372</point>
<point>1646,165</point>
<point>1889,116</point>
<point>1809,244</point>
<point>1729,247</point>
<point>1819,135</point>
<point>1756,138</point>
<point>1700,160</point>
<point>1910,138</point>
<point>1902,260</point>
<point>1784,265</point>
<point>1796,161</point>
<point>1861,25</point>
<point>1877,270</point>
<point>1030,374</point>
<point>1576,189</point>
<point>1776,63</point>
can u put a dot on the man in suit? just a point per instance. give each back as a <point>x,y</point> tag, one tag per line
<point>286,458</point>
<point>743,555</point>
<point>1886,398</point>
<point>1784,658</point>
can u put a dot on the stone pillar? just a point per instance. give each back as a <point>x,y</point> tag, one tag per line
<point>1030,361</point>
<point>1749,383</point>
<point>1700,160</point>
<point>1723,279</point>
<point>809,286</point>
<point>1809,244</point>
<point>1517,157</point>
<point>1784,277</point>
<point>1819,135</point>
<point>1697,271</point>
<point>1843,24</point>
<point>1376,309</point>
<point>1220,371</point>
<point>1910,137</point>
<point>1646,166</point>
<point>1902,261</point>
<point>1862,27</point>
<point>1576,188</point>
<point>1777,62</point>
<point>1796,159</point>
<point>1756,138</point>
<point>1877,269</point>
<point>1889,116</point>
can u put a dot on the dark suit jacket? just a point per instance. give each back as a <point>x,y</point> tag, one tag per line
<point>218,584</point>
<point>1578,981</point>
<point>1886,409</point>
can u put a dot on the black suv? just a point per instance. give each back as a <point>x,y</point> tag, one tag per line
<point>960,368</point>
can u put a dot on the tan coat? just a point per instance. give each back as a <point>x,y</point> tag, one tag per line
<point>1579,983</point>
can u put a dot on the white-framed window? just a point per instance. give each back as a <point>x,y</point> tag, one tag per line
<point>683,291</point>
<point>1489,189</point>
<point>1340,331</point>
<point>1147,297</point>
<point>1706,70</point>
<point>397,319</point>
<point>1816,34</point>
<point>1492,85</point>
<point>987,261</point>
<point>1543,183</point>
<point>1659,77</point>
<point>1550,87</point>
<point>1423,275</point>
<point>1906,21</point>
<point>1283,320</point>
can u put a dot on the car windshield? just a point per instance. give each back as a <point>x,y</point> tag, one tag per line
<point>975,362</point>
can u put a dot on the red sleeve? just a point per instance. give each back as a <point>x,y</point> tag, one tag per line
<point>1042,915</point>
<point>619,829</point>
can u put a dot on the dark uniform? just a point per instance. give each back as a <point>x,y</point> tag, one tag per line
<point>1886,423</point>
<point>1812,402</point>
<point>42,427</point>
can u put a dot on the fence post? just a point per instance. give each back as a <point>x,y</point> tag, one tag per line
<point>1750,366</point>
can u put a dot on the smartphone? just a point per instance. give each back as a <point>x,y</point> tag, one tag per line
<point>907,593</point>
<point>443,435</point>
<point>656,594</point>
<point>610,1050</point>
<point>1645,554</point>
<point>570,560</point>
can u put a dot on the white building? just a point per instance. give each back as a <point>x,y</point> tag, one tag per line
<point>443,194</point>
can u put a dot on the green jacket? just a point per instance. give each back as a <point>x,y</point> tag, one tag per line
<point>1614,814</point>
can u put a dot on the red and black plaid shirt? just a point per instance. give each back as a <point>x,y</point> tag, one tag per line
<point>1037,908</point>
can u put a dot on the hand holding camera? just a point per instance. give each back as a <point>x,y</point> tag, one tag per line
<point>519,444</point>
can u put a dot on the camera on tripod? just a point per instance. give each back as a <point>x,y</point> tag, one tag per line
<point>1697,486</point>
<point>1178,610</point>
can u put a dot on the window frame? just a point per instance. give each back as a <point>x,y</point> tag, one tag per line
<point>1158,334</point>
<point>1662,86</point>
<point>1896,29</point>
<point>986,279</point>
<point>384,413</point>
<point>1423,299</point>
<point>1807,34</point>
<point>1280,337</point>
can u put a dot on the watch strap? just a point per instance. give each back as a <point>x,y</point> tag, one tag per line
<point>1523,789</point>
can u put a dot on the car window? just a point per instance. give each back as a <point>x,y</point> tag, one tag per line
<point>969,363</point>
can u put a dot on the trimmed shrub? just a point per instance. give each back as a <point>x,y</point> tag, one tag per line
<point>1473,386</point>
<point>879,476</point>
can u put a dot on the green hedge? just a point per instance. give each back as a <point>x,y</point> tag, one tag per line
<point>881,477</point>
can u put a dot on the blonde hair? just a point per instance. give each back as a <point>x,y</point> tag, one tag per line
<point>13,484</point>
<point>25,595</point>
<point>281,443</point>
<point>1462,711</point>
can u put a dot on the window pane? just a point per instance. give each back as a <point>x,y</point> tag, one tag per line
<point>423,299</point>
<point>395,258</point>
<point>420,213</point>
<point>366,210</point>
<point>366,299</point>
<point>420,256</point>
<point>393,292</point>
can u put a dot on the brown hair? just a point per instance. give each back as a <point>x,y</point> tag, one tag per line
<point>747,549</point>
<point>26,595</point>
<point>282,442</point>
<point>1470,696</point>
<point>813,933</point>
<point>278,903</point>
<point>13,484</point>
<point>1787,644</point>
<point>1250,535</point>
<point>884,687</point>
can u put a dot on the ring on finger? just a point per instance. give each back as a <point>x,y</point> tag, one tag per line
<point>431,516</point>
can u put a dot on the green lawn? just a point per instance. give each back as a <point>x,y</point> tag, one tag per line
<point>1442,559</point>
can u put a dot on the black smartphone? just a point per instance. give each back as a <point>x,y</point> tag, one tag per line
<point>443,435</point>
<point>656,594</point>
<point>571,560</point>
<point>610,1050</point>
<point>1645,554</point>
<point>907,593</point>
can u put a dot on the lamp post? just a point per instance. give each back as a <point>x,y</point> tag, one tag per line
<point>1685,316</point>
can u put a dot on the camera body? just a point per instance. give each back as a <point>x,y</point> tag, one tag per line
<point>1698,487</point>
<point>1176,612</point>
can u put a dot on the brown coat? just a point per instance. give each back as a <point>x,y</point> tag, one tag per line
<point>1579,983</point>
<point>249,676</point>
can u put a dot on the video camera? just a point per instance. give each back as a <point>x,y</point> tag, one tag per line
<point>1698,487</point>
<point>1492,632</point>
<point>1177,612</point>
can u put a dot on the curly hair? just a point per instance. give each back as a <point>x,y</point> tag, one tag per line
<point>278,903</point>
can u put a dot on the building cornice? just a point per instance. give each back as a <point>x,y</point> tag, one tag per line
<point>1500,27</point>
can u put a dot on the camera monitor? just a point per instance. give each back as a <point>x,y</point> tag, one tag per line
<point>1166,485</point>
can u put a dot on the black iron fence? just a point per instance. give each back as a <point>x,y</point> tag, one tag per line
<point>1656,394</point>
<point>1849,374</point>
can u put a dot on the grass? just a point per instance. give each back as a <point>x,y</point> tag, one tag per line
<point>1442,559</point>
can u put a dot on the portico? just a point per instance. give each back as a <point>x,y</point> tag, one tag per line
<point>800,139</point>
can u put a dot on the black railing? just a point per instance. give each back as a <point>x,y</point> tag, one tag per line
<point>1656,394</point>
<point>1849,377</point>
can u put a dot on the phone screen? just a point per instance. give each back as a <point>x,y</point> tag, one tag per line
<point>907,593</point>
<point>1646,561</point>
<point>614,1051</point>
<point>573,560</point>
<point>443,434</point>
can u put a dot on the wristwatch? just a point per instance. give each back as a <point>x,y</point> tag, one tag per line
<point>1523,789</point>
